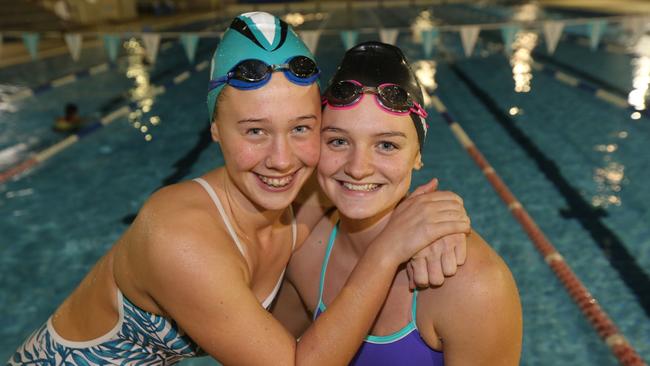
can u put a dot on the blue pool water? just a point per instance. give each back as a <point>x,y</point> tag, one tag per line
<point>577,164</point>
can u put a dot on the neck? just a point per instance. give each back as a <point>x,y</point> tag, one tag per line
<point>249,218</point>
<point>359,233</point>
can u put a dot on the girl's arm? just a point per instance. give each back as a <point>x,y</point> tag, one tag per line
<point>198,277</point>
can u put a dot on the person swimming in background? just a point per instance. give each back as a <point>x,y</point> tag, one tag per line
<point>373,133</point>
<point>70,121</point>
<point>196,271</point>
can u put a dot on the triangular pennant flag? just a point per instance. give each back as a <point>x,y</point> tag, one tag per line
<point>429,36</point>
<point>31,42</point>
<point>190,41</point>
<point>349,38</point>
<point>310,37</point>
<point>73,40</point>
<point>596,30</point>
<point>111,44</point>
<point>508,34</point>
<point>468,36</point>
<point>389,35</point>
<point>552,33</point>
<point>151,43</point>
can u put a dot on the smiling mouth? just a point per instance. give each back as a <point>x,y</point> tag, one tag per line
<point>368,187</point>
<point>279,182</point>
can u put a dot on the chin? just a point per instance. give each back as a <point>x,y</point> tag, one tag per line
<point>357,213</point>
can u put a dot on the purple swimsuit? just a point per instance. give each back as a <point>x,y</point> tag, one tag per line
<point>404,347</point>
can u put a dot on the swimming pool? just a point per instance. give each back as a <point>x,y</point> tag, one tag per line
<point>577,163</point>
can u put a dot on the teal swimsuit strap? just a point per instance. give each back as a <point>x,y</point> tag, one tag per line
<point>370,338</point>
<point>408,328</point>
<point>328,252</point>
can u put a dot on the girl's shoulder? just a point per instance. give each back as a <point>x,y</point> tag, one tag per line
<point>483,285</point>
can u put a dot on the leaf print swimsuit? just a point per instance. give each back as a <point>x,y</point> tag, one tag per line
<point>138,338</point>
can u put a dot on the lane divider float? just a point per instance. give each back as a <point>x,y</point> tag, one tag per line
<point>598,318</point>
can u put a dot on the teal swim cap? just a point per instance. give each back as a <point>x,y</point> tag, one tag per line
<point>255,35</point>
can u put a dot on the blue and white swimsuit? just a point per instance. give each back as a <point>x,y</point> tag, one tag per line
<point>139,337</point>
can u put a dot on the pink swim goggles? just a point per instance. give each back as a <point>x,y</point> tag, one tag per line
<point>390,97</point>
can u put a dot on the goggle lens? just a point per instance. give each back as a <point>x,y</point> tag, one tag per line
<point>251,70</point>
<point>394,97</point>
<point>303,67</point>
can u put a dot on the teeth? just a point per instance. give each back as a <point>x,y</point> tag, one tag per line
<point>360,187</point>
<point>276,182</point>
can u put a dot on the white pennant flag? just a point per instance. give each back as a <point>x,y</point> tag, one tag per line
<point>429,37</point>
<point>552,33</point>
<point>597,28</point>
<point>190,41</point>
<point>151,43</point>
<point>310,37</point>
<point>389,35</point>
<point>469,35</point>
<point>73,40</point>
<point>349,38</point>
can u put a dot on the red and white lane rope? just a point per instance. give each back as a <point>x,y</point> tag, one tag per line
<point>605,327</point>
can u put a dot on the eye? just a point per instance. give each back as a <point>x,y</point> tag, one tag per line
<point>337,142</point>
<point>254,131</point>
<point>301,129</point>
<point>387,146</point>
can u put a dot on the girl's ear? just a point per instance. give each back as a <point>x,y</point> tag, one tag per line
<point>418,162</point>
<point>214,131</point>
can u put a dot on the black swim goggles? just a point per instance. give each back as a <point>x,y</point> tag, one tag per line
<point>253,73</point>
<point>392,98</point>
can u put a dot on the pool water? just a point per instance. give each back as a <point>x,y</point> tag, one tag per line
<point>576,163</point>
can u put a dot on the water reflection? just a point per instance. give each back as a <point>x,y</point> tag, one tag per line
<point>423,22</point>
<point>526,13</point>
<point>609,178</point>
<point>640,75</point>
<point>524,42</point>
<point>425,71</point>
<point>297,19</point>
<point>521,60</point>
<point>143,93</point>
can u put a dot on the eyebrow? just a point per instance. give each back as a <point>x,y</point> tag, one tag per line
<point>391,134</point>
<point>252,120</point>
<point>333,129</point>
<point>307,116</point>
<point>266,120</point>
<point>381,134</point>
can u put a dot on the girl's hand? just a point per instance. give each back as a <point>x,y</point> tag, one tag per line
<point>424,217</point>
<point>430,265</point>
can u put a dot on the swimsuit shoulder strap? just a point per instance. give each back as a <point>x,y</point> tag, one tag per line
<point>414,307</point>
<point>328,251</point>
<point>224,217</point>
<point>294,229</point>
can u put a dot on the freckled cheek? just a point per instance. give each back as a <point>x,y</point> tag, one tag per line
<point>247,157</point>
<point>396,171</point>
<point>330,162</point>
<point>308,151</point>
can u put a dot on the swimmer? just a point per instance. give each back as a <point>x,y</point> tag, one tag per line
<point>202,262</point>
<point>71,121</point>
<point>373,131</point>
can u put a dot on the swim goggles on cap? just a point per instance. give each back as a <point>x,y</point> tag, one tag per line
<point>390,97</point>
<point>253,73</point>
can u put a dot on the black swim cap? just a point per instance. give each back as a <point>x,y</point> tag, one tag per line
<point>376,63</point>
